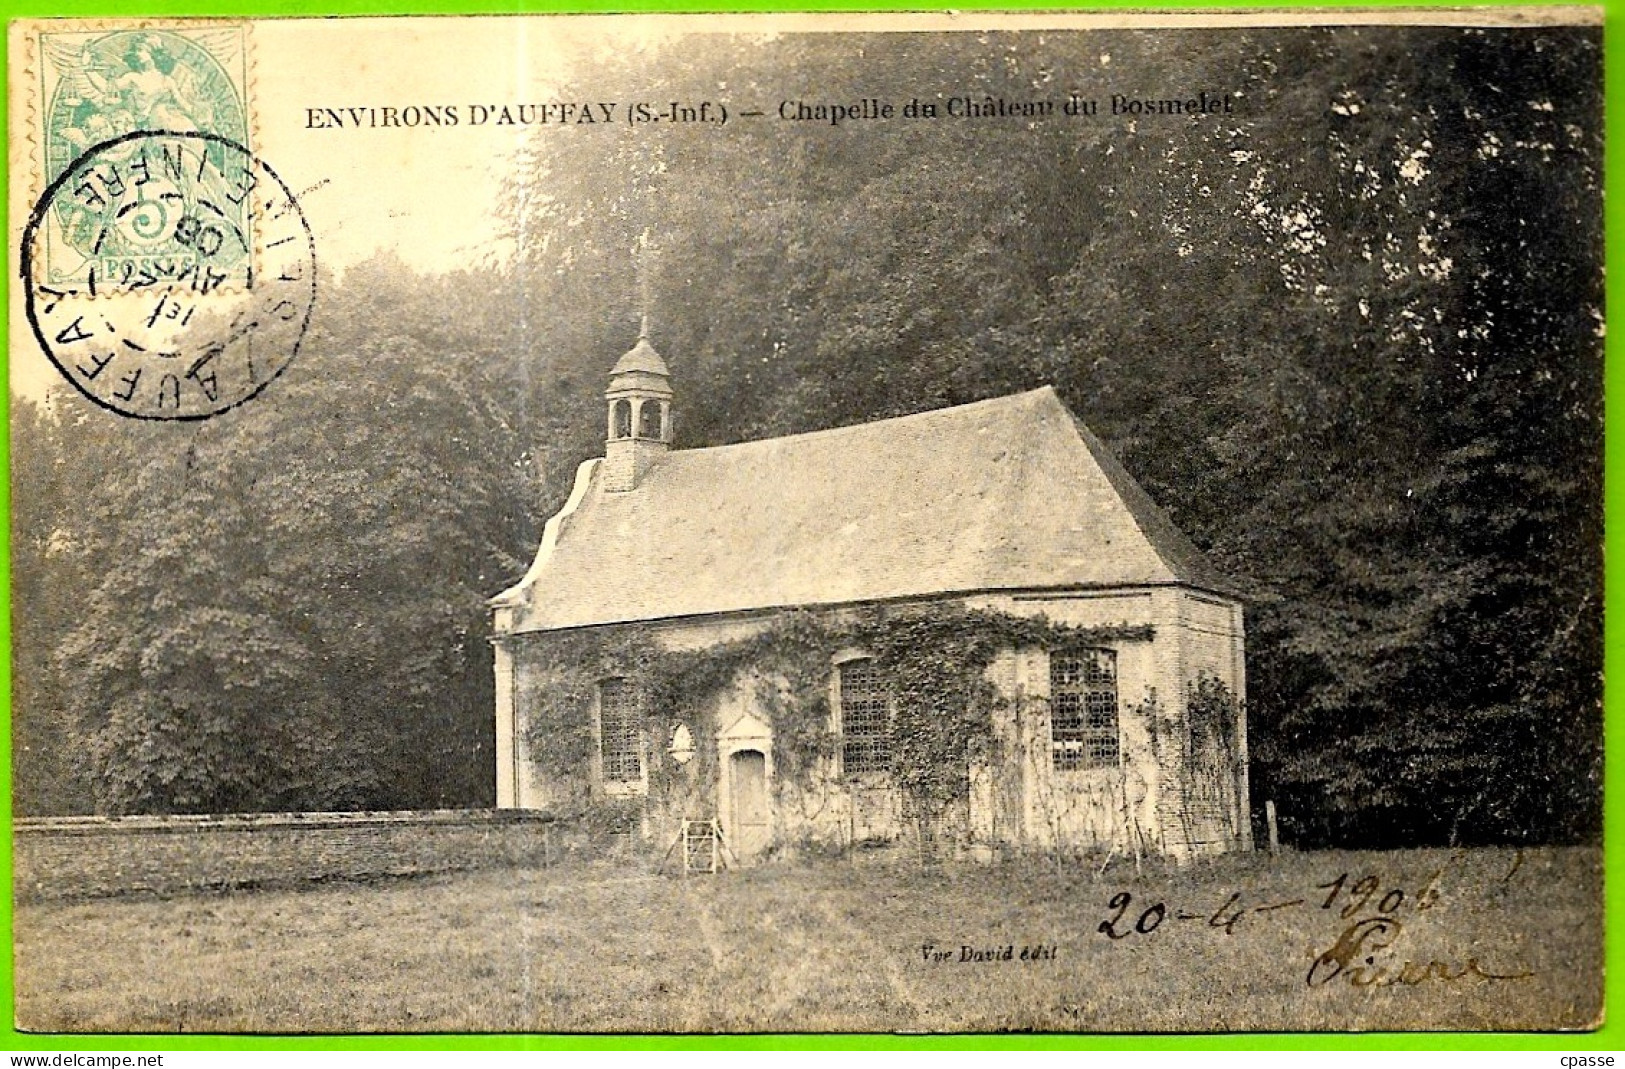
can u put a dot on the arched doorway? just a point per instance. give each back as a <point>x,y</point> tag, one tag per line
<point>745,787</point>
<point>750,824</point>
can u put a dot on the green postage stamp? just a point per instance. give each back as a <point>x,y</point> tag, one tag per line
<point>101,85</point>
<point>168,272</point>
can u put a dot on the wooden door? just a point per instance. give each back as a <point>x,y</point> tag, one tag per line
<point>749,831</point>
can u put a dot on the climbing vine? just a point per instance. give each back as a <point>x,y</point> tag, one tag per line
<point>1213,760</point>
<point>935,659</point>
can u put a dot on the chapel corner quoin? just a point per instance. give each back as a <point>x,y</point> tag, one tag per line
<point>969,625</point>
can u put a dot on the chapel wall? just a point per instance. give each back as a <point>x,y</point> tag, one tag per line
<point>1164,798</point>
<point>1214,813</point>
<point>1017,798</point>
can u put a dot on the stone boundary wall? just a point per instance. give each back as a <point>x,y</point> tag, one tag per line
<point>80,857</point>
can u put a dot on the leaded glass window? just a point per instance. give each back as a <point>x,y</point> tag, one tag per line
<point>1083,709</point>
<point>619,732</point>
<point>865,718</point>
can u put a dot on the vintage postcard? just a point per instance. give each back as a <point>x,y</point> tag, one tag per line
<point>808,523</point>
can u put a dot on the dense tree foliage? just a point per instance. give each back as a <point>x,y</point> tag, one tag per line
<point>1348,335</point>
<point>285,609</point>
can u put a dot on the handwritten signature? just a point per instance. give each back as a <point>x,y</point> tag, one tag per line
<point>1362,940</point>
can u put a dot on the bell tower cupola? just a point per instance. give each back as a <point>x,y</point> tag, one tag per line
<point>639,403</point>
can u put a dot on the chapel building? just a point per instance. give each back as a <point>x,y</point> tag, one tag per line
<point>1116,726</point>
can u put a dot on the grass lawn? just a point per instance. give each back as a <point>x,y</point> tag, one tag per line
<point>835,946</point>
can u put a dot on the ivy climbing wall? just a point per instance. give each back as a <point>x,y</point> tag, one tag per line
<point>972,768</point>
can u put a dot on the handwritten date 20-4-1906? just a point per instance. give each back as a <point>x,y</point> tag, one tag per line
<point>1353,957</point>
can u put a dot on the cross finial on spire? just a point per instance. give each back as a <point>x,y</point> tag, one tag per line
<point>642,266</point>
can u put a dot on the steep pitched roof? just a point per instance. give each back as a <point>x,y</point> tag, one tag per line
<point>1002,494</point>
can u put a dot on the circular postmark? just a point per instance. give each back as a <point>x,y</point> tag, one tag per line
<point>198,279</point>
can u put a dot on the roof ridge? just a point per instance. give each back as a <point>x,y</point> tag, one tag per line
<point>889,422</point>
